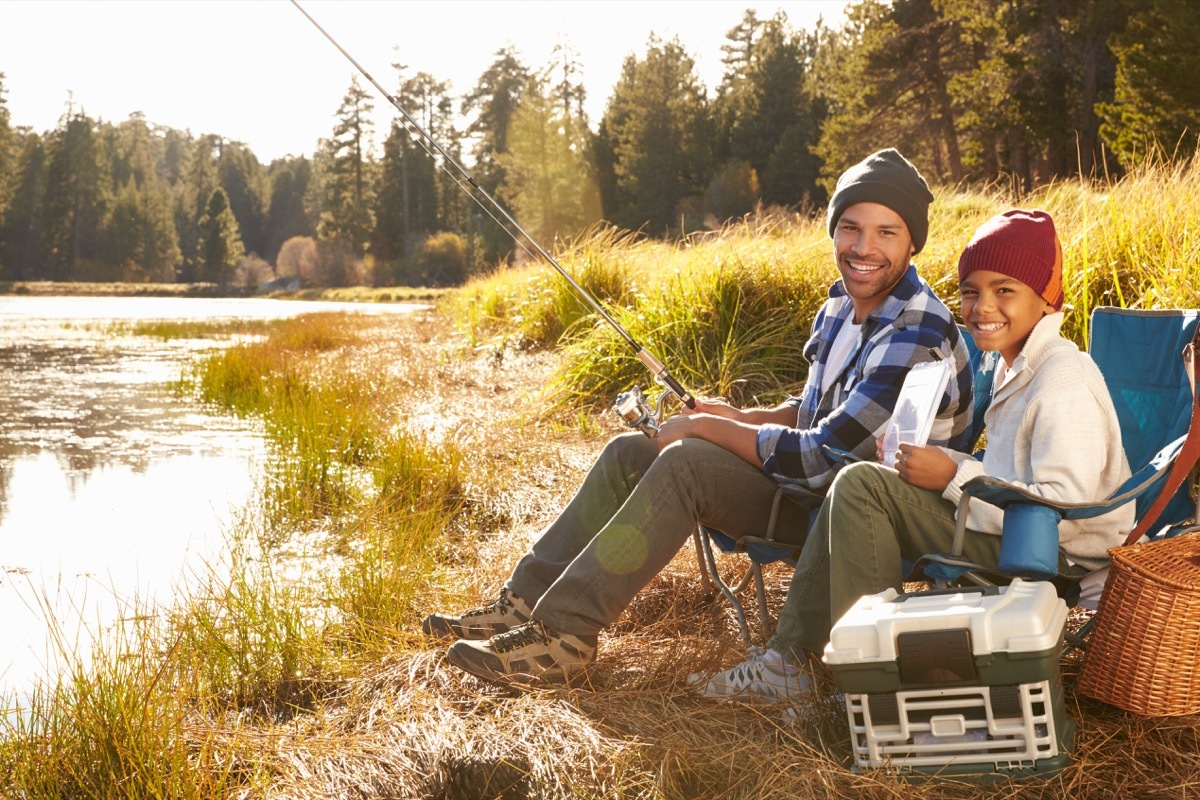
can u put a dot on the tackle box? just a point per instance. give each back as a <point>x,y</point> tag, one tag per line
<point>961,682</point>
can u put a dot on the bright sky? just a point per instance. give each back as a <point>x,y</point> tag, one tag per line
<point>257,71</point>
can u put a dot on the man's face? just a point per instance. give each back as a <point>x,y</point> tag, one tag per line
<point>873,249</point>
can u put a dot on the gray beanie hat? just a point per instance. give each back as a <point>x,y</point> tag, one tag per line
<point>889,179</point>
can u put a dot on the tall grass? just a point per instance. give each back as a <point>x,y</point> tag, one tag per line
<point>120,720</point>
<point>726,311</point>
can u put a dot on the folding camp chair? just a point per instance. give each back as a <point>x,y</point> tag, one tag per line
<point>768,549</point>
<point>1138,352</point>
<point>759,550</point>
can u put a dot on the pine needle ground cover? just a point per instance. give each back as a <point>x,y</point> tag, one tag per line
<point>418,457</point>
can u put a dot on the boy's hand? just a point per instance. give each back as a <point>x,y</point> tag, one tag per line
<point>925,467</point>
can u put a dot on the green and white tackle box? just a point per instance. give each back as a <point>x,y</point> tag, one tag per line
<point>955,682</point>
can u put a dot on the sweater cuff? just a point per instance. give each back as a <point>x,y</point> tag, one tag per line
<point>967,469</point>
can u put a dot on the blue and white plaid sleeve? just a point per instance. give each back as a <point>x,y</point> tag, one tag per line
<point>857,415</point>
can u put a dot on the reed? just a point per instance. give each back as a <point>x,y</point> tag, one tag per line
<point>726,310</point>
<point>118,720</point>
<point>166,330</point>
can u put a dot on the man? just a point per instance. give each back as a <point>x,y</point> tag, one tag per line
<point>721,466</point>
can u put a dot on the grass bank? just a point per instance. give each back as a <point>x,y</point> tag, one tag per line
<point>416,458</point>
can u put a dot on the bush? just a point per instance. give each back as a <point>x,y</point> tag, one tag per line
<point>443,259</point>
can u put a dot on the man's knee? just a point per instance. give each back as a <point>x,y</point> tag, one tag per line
<point>631,445</point>
<point>632,453</point>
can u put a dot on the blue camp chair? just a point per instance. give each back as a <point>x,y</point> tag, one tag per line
<point>1153,390</point>
<point>768,549</point>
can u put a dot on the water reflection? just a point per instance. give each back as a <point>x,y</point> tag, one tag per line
<point>111,488</point>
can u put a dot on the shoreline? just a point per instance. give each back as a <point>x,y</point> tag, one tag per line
<point>364,294</point>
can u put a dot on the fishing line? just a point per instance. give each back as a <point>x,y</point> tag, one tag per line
<point>630,406</point>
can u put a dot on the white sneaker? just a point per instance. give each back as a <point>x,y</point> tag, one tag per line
<point>756,680</point>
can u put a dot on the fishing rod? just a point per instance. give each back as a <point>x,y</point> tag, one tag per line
<point>632,406</point>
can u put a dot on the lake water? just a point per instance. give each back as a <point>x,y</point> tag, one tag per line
<point>112,490</point>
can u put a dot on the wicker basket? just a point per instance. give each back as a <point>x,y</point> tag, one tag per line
<point>1144,651</point>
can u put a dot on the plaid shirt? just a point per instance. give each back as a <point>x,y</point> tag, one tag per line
<point>853,414</point>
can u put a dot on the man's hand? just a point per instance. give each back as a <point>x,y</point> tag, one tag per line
<point>680,426</point>
<point>925,466</point>
<point>714,406</point>
<point>736,437</point>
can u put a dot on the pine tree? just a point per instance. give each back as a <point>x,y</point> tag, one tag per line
<point>244,181</point>
<point>192,195</point>
<point>348,214</point>
<point>660,133</point>
<point>141,240</point>
<point>886,76</point>
<point>491,106</point>
<point>1156,104</point>
<point>493,102</point>
<point>286,215</point>
<point>407,204</point>
<point>219,244</point>
<point>23,232</point>
<point>77,199</point>
<point>769,120</point>
<point>549,188</point>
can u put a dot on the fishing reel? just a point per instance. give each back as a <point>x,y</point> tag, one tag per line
<point>634,409</point>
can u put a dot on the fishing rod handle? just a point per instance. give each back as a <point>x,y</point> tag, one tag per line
<point>660,373</point>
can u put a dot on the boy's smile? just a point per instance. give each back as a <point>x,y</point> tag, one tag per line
<point>1000,312</point>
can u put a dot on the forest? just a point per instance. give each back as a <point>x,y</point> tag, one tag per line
<point>1017,93</point>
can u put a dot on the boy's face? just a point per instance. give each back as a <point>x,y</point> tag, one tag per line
<point>1000,311</point>
<point>873,249</point>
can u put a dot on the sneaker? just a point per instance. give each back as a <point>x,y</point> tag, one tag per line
<point>504,613</point>
<point>527,651</point>
<point>756,680</point>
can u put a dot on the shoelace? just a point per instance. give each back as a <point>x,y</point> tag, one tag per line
<point>529,633</point>
<point>754,669</point>
<point>501,604</point>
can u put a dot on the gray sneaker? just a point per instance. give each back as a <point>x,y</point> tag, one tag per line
<point>504,613</point>
<point>528,652</point>
<point>756,681</point>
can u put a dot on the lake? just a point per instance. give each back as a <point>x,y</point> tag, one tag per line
<point>112,489</point>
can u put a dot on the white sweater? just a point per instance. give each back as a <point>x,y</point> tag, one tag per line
<point>1052,429</point>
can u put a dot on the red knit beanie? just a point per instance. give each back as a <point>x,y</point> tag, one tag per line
<point>1022,245</point>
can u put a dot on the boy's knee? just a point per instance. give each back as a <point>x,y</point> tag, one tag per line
<point>858,481</point>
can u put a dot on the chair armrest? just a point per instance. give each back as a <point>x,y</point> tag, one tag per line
<point>1002,494</point>
<point>800,494</point>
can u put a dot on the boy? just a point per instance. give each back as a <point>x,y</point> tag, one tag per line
<point>1051,429</point>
